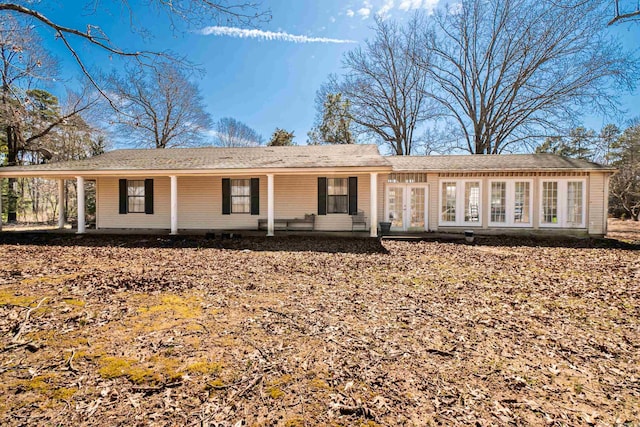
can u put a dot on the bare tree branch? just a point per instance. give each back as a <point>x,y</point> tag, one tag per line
<point>385,87</point>
<point>159,106</point>
<point>505,70</point>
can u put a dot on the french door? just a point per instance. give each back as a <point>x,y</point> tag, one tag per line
<point>406,207</point>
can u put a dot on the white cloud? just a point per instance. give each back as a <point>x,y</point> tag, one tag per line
<point>267,35</point>
<point>385,8</point>
<point>332,19</point>
<point>418,4</point>
<point>364,12</point>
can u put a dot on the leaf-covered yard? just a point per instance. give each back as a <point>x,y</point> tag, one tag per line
<point>297,331</point>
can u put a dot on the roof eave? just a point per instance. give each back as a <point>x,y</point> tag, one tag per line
<point>70,173</point>
<point>414,170</point>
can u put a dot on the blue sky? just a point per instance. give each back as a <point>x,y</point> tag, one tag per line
<point>266,81</point>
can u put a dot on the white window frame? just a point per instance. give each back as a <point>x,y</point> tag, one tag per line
<point>563,203</point>
<point>346,196</point>
<point>460,202</point>
<point>510,198</point>
<point>131,183</point>
<point>246,199</point>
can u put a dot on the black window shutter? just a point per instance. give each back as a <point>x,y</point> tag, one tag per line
<point>255,196</point>
<point>123,196</point>
<point>148,196</point>
<point>322,195</point>
<point>226,196</point>
<point>353,195</point>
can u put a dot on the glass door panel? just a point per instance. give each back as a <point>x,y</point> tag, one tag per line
<point>416,214</point>
<point>395,200</point>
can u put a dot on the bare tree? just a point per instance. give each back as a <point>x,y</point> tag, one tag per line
<point>28,116</point>
<point>624,187</point>
<point>625,14</point>
<point>158,107</point>
<point>510,71</point>
<point>385,86</point>
<point>182,15</point>
<point>233,133</point>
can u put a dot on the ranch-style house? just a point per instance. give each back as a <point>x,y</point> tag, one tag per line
<point>334,188</point>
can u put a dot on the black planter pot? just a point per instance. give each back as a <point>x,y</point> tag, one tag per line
<point>385,227</point>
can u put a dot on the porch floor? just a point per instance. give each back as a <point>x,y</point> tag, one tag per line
<point>393,235</point>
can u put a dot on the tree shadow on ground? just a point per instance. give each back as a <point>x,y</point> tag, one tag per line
<point>354,245</point>
<point>327,244</point>
<point>556,242</point>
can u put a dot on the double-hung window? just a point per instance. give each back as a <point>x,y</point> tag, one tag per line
<point>510,203</point>
<point>460,202</point>
<point>240,196</point>
<point>135,196</point>
<point>337,195</point>
<point>562,203</point>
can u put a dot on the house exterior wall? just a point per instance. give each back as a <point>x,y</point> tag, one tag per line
<point>297,195</point>
<point>107,206</point>
<point>595,215</point>
<point>597,203</point>
<point>200,203</point>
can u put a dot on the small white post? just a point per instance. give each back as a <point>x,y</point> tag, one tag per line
<point>81,217</point>
<point>61,217</point>
<point>270,205</point>
<point>374,204</point>
<point>174,204</point>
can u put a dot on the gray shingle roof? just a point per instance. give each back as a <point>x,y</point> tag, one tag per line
<point>318,156</point>
<point>502,162</point>
<point>313,156</point>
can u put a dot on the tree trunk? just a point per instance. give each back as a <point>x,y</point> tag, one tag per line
<point>12,160</point>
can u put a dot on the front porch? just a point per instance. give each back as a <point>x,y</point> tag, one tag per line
<point>239,203</point>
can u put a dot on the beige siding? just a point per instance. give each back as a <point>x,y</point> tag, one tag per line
<point>108,215</point>
<point>298,195</point>
<point>434,200</point>
<point>597,203</point>
<point>200,204</point>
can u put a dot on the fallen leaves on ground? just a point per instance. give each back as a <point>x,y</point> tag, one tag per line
<point>298,331</point>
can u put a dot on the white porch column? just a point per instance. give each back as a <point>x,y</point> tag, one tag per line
<point>61,217</point>
<point>270,205</point>
<point>174,204</point>
<point>81,218</point>
<point>373,202</point>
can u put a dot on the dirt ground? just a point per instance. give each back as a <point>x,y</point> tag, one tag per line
<point>628,231</point>
<point>297,331</point>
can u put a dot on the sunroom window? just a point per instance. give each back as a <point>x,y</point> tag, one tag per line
<point>448,201</point>
<point>498,202</point>
<point>574,202</point>
<point>522,205</point>
<point>510,203</point>
<point>472,202</point>
<point>550,202</point>
<point>563,203</point>
<point>460,202</point>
